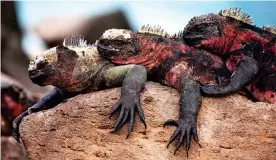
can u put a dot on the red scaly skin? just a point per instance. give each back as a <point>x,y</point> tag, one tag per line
<point>172,59</point>
<point>151,54</point>
<point>268,96</point>
<point>232,39</point>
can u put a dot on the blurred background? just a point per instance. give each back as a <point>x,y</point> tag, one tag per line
<point>28,28</point>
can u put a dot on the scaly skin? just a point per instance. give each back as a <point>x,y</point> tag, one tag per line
<point>166,60</point>
<point>171,63</point>
<point>183,67</point>
<point>233,40</point>
<point>78,68</point>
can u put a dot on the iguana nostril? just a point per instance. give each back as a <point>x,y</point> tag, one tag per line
<point>41,64</point>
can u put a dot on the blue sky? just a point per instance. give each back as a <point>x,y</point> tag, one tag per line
<point>172,16</point>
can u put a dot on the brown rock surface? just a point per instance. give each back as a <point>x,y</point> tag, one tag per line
<point>232,127</point>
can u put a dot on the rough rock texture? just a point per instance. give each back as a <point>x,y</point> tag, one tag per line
<point>11,150</point>
<point>229,128</point>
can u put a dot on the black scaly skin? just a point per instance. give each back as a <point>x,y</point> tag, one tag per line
<point>129,101</point>
<point>247,69</point>
<point>190,100</point>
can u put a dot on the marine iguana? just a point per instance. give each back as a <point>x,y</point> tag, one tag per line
<point>75,67</point>
<point>187,84</point>
<point>232,36</point>
<point>189,68</point>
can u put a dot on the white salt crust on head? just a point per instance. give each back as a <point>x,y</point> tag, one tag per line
<point>114,33</point>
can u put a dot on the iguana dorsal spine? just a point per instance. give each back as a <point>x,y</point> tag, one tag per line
<point>236,13</point>
<point>75,41</point>
<point>270,28</point>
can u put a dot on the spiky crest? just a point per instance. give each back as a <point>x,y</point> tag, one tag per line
<point>155,30</point>
<point>75,41</point>
<point>176,35</point>
<point>270,28</point>
<point>236,13</point>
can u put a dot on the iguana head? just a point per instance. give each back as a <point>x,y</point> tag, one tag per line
<point>201,28</point>
<point>212,25</point>
<point>124,46</point>
<point>117,42</point>
<point>65,66</point>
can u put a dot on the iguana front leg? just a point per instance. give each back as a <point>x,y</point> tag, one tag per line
<point>246,70</point>
<point>49,101</point>
<point>190,100</point>
<point>134,79</point>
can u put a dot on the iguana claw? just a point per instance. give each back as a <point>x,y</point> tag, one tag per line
<point>128,106</point>
<point>185,128</point>
<point>15,124</point>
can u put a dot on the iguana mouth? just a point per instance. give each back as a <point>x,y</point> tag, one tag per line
<point>105,48</point>
<point>37,76</point>
<point>38,70</point>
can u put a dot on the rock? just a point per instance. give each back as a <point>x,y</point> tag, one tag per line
<point>232,127</point>
<point>11,150</point>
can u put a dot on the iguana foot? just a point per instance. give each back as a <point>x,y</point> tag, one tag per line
<point>128,104</point>
<point>186,127</point>
<point>245,72</point>
<point>16,123</point>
